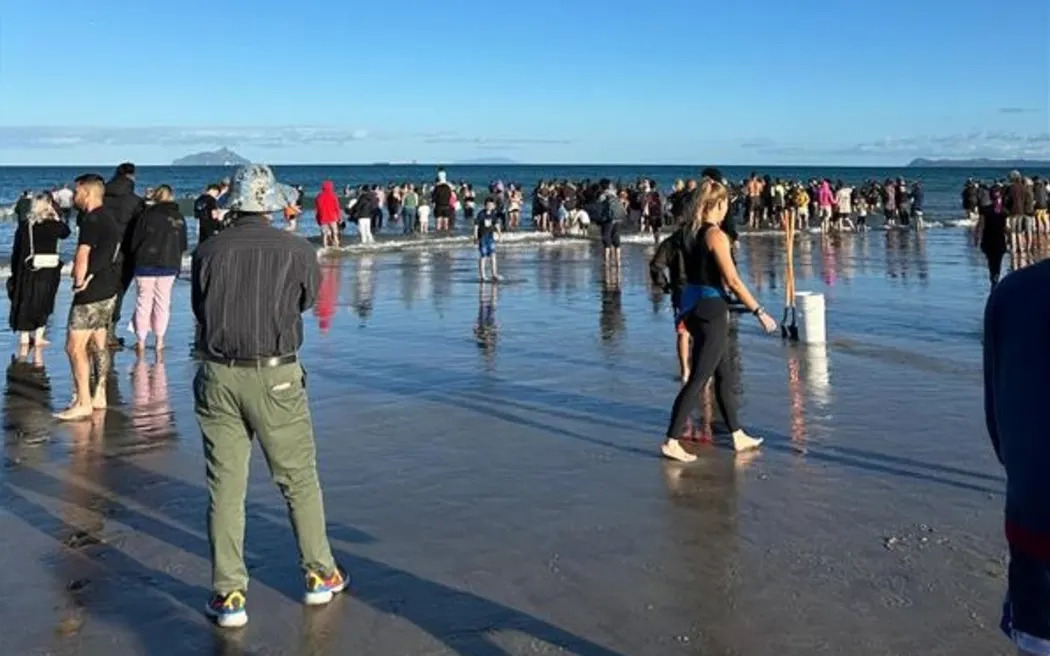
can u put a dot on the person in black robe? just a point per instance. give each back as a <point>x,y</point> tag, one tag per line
<point>34,279</point>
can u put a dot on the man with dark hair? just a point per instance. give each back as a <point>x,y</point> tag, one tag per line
<point>96,282</point>
<point>124,207</point>
<point>250,384</point>
<point>206,211</point>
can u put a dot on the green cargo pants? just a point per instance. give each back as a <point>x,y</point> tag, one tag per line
<point>233,404</point>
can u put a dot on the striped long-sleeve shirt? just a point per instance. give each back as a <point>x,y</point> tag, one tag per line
<point>251,284</point>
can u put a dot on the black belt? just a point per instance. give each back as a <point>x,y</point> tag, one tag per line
<point>252,363</point>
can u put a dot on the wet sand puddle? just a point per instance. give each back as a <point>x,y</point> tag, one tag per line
<point>491,475</point>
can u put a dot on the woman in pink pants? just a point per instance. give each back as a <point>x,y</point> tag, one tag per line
<point>157,244</point>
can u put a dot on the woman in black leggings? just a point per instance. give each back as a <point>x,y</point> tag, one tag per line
<point>709,270</point>
<point>990,233</point>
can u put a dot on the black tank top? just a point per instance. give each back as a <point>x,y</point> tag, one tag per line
<point>701,266</point>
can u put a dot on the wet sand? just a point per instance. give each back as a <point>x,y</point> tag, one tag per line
<point>492,484</point>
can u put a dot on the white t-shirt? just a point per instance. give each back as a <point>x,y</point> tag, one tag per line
<point>843,200</point>
<point>582,217</point>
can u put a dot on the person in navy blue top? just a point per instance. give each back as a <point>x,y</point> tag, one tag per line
<point>486,228</point>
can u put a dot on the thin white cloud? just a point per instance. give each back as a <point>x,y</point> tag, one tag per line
<point>970,145</point>
<point>50,137</point>
<point>56,137</point>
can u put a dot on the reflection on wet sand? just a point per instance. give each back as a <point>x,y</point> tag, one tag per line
<point>364,288</point>
<point>27,403</point>
<point>152,418</point>
<point>611,319</point>
<point>486,330</point>
<point>328,294</point>
<point>703,526</point>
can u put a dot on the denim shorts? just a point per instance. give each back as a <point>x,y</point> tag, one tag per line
<point>487,247</point>
<point>1026,611</point>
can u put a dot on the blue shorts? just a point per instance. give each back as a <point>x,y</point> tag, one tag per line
<point>487,247</point>
<point>1026,611</point>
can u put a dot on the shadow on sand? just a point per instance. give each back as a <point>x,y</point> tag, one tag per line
<point>161,609</point>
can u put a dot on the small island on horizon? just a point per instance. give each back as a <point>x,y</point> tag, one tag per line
<point>220,157</point>
<point>979,163</point>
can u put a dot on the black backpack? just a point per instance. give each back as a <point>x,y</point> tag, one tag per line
<point>613,210</point>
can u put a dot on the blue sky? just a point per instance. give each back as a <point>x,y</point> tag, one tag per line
<point>559,81</point>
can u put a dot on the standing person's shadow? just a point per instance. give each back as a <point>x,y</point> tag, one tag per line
<point>460,620</point>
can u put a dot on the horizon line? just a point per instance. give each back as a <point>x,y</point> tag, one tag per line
<point>1005,161</point>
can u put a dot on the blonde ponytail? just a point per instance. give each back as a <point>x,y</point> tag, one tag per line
<point>703,200</point>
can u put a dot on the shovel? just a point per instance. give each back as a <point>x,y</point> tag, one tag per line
<point>789,331</point>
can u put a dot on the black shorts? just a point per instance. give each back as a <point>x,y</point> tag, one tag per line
<point>443,212</point>
<point>611,234</point>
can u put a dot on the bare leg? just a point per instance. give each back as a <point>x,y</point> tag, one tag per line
<point>23,338</point>
<point>102,363</point>
<point>685,344</point>
<point>39,339</point>
<point>495,271</point>
<point>76,349</point>
<point>481,269</point>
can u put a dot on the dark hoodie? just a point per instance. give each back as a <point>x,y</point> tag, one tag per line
<point>366,205</point>
<point>158,240</point>
<point>667,268</point>
<point>121,202</point>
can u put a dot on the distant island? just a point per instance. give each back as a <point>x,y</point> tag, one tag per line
<point>220,157</point>
<point>488,161</point>
<point>981,163</point>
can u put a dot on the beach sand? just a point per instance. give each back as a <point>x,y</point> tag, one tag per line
<point>492,482</point>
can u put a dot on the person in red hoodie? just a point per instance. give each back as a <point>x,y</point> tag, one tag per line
<point>328,214</point>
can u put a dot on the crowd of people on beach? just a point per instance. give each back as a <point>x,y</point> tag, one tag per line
<point>245,267</point>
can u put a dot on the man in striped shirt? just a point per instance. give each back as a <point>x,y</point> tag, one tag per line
<point>251,284</point>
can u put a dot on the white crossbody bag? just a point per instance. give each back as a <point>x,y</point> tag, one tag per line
<point>39,261</point>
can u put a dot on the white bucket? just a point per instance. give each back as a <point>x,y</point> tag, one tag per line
<point>812,323</point>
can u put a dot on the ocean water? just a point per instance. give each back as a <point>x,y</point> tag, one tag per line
<point>943,185</point>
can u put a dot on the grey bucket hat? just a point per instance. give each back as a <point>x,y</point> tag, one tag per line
<point>254,188</point>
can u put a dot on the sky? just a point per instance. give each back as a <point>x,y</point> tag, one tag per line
<point>838,82</point>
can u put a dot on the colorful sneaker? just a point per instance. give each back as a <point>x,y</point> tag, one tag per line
<point>228,610</point>
<point>320,589</point>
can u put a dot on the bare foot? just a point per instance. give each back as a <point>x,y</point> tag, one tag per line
<point>75,413</point>
<point>159,346</point>
<point>673,450</point>
<point>744,442</point>
<point>100,400</point>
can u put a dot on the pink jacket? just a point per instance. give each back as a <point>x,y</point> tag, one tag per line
<point>824,196</point>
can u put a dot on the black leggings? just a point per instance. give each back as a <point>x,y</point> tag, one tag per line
<point>708,323</point>
<point>995,263</point>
